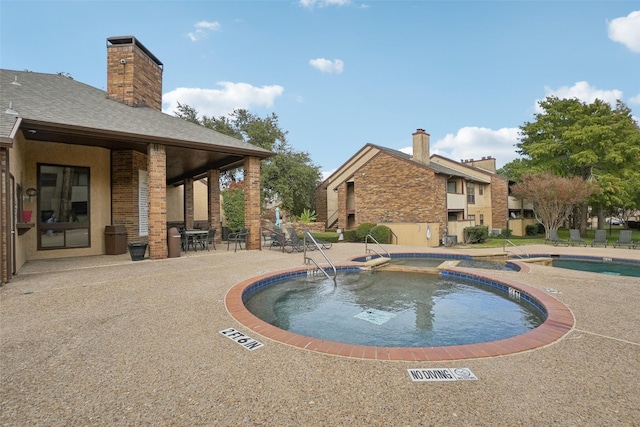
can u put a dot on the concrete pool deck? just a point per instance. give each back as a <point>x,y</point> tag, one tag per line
<point>107,341</point>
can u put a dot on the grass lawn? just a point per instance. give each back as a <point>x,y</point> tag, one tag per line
<point>562,233</point>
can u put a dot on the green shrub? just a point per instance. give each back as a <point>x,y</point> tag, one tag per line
<point>381,233</point>
<point>233,206</point>
<point>350,236</point>
<point>307,216</point>
<point>362,230</point>
<point>478,234</point>
<point>327,236</point>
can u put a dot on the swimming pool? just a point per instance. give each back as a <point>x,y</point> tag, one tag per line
<point>599,265</point>
<point>394,309</point>
<point>434,260</point>
<point>559,320</point>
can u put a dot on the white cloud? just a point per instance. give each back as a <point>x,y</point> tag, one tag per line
<point>626,30</point>
<point>635,99</point>
<point>219,102</point>
<point>202,30</point>
<point>476,143</point>
<point>310,4</point>
<point>326,174</point>
<point>327,66</point>
<point>582,91</point>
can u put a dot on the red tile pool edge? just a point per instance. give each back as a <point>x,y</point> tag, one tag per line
<point>559,321</point>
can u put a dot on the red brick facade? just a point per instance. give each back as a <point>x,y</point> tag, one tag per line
<point>157,185</point>
<point>125,167</point>
<point>134,76</point>
<point>389,189</point>
<point>252,201</point>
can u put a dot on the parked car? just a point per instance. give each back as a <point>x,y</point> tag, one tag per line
<point>615,221</point>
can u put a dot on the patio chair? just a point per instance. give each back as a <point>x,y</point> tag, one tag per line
<point>553,238</point>
<point>600,239</point>
<point>280,241</point>
<point>238,238</point>
<point>575,239</point>
<point>210,239</point>
<point>624,239</point>
<point>297,242</point>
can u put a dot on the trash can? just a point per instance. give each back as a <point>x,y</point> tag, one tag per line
<point>174,242</point>
<point>115,239</point>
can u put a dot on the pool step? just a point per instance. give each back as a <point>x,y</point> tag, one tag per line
<point>376,262</point>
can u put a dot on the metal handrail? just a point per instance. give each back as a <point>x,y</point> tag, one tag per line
<point>515,246</point>
<point>367,250</point>
<point>394,235</point>
<point>306,234</point>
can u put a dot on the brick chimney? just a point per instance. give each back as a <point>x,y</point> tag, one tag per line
<point>134,75</point>
<point>421,147</point>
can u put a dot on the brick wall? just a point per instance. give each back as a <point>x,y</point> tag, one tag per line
<point>321,205</point>
<point>388,189</point>
<point>188,195</point>
<point>213,205</point>
<point>499,202</point>
<point>157,183</point>
<point>125,165</point>
<point>252,201</point>
<point>137,81</point>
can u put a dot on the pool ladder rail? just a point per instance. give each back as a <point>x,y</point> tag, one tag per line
<point>382,259</point>
<point>307,235</point>
<point>504,248</point>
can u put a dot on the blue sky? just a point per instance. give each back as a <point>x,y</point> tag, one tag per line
<point>340,74</point>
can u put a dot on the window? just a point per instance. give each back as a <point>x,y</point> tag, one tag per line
<point>63,207</point>
<point>451,187</point>
<point>481,218</point>
<point>471,192</point>
<point>480,190</point>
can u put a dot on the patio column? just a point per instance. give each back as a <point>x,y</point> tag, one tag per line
<point>6,218</point>
<point>252,200</point>
<point>213,202</point>
<point>157,188</point>
<point>188,203</point>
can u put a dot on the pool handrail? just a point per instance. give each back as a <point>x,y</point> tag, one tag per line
<point>504,248</point>
<point>367,250</point>
<point>307,233</point>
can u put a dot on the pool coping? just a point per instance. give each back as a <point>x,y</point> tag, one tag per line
<point>559,322</point>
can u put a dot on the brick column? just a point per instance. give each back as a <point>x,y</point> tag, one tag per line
<point>188,203</point>
<point>252,200</point>
<point>6,218</point>
<point>342,206</point>
<point>213,205</point>
<point>157,186</point>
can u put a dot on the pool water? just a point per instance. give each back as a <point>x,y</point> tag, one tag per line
<point>617,269</point>
<point>392,309</point>
<point>434,262</point>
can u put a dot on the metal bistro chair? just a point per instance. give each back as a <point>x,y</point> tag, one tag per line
<point>238,238</point>
<point>209,239</point>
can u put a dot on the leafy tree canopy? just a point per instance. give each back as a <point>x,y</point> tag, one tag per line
<point>290,176</point>
<point>553,197</point>
<point>593,141</point>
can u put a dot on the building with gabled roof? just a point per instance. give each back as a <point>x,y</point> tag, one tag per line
<point>75,159</point>
<point>423,198</point>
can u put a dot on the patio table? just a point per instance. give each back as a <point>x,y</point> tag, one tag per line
<point>194,237</point>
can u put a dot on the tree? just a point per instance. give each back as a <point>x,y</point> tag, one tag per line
<point>233,206</point>
<point>553,197</point>
<point>290,176</point>
<point>592,141</point>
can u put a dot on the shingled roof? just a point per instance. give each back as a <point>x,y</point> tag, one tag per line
<point>56,108</point>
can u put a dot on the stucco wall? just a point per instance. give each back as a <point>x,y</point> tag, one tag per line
<point>98,160</point>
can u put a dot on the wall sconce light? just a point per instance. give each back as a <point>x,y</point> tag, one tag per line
<point>31,192</point>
